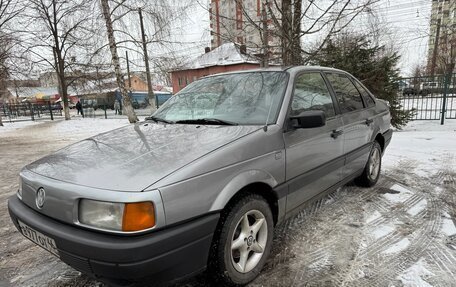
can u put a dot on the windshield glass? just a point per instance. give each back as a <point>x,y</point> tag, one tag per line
<point>245,98</point>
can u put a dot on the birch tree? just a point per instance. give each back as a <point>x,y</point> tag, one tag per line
<point>127,106</point>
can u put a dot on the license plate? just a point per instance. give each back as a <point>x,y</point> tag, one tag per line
<point>39,238</point>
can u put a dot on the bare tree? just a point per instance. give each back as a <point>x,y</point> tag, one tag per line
<point>292,22</point>
<point>8,11</point>
<point>55,33</point>
<point>156,45</point>
<point>127,107</point>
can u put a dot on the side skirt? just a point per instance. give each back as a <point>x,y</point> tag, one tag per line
<point>296,210</point>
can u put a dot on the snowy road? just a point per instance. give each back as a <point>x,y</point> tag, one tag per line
<point>399,233</point>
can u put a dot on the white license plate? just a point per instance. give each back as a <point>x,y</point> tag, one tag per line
<point>39,238</point>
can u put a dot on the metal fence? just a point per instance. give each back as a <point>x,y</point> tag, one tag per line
<point>30,111</point>
<point>432,98</point>
<point>91,109</point>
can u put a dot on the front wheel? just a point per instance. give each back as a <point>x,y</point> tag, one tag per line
<point>242,242</point>
<point>371,172</point>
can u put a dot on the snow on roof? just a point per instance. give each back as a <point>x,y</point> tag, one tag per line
<point>226,54</point>
<point>34,91</point>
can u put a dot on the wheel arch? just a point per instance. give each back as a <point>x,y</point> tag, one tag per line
<point>381,141</point>
<point>248,182</point>
<point>378,137</point>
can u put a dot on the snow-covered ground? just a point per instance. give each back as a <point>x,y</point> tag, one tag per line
<point>424,145</point>
<point>399,233</point>
<point>76,128</point>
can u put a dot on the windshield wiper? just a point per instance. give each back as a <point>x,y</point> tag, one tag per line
<point>157,119</point>
<point>207,121</point>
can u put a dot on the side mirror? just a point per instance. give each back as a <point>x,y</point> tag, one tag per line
<point>308,119</point>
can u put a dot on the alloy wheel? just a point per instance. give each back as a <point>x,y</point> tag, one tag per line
<point>374,165</point>
<point>249,241</point>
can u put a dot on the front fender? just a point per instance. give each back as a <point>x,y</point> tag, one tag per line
<point>240,181</point>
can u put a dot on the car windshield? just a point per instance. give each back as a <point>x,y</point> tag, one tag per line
<point>250,98</point>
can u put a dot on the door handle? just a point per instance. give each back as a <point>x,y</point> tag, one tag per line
<point>369,121</point>
<point>336,133</point>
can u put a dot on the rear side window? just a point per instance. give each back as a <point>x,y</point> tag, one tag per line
<point>347,95</point>
<point>367,97</point>
<point>311,93</point>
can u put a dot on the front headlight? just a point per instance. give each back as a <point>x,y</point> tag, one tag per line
<point>19,190</point>
<point>114,216</point>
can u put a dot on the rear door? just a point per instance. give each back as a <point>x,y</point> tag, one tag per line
<point>357,122</point>
<point>314,160</point>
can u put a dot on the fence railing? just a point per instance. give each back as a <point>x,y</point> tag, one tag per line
<point>48,111</point>
<point>30,111</point>
<point>432,98</point>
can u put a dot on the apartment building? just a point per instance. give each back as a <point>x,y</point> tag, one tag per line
<point>442,38</point>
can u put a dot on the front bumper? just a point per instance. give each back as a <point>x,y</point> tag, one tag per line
<point>163,255</point>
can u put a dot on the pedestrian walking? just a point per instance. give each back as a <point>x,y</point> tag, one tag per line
<point>117,107</point>
<point>79,108</point>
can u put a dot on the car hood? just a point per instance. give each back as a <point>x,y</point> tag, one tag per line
<point>133,157</point>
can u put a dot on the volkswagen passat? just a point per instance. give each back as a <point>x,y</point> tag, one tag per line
<point>202,182</point>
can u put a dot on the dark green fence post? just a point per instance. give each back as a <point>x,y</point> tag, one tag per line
<point>449,72</point>
<point>9,112</point>
<point>104,106</point>
<point>50,110</point>
<point>31,111</point>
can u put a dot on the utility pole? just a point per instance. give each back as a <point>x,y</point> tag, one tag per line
<point>150,92</point>
<point>265,37</point>
<point>436,45</point>
<point>128,70</point>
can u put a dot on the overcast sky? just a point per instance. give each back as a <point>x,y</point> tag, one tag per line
<point>406,25</point>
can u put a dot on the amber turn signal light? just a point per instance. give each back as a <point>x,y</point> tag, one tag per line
<point>138,216</point>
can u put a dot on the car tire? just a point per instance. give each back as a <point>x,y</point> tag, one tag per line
<point>242,241</point>
<point>371,172</point>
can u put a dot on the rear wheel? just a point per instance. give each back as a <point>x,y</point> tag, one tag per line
<point>242,242</point>
<point>371,172</point>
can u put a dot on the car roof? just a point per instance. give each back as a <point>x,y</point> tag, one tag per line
<point>290,69</point>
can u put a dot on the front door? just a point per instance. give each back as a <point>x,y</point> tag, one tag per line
<point>314,159</point>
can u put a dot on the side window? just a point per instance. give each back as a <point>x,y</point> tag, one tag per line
<point>311,93</point>
<point>367,97</point>
<point>347,95</point>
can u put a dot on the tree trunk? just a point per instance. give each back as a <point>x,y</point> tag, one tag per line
<point>59,62</point>
<point>1,123</point>
<point>66,109</point>
<point>296,37</point>
<point>286,33</point>
<point>63,90</point>
<point>126,101</point>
